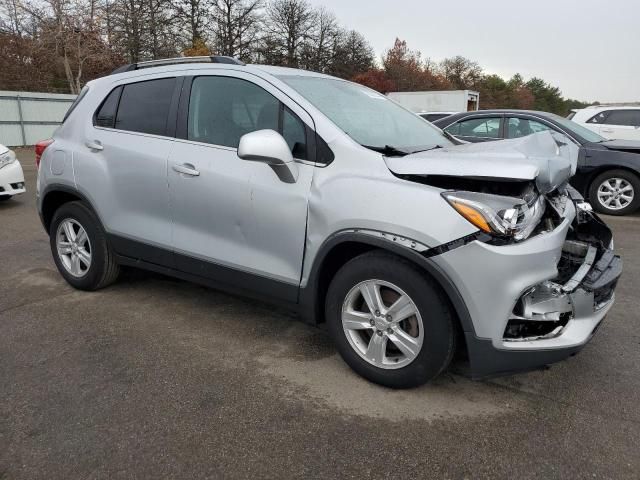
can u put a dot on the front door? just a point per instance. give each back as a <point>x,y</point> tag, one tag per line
<point>235,221</point>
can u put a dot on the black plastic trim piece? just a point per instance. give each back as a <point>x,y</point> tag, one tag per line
<point>172,116</point>
<point>141,251</point>
<point>445,247</point>
<point>65,189</point>
<point>487,361</point>
<point>141,255</point>
<point>182,120</point>
<point>309,300</point>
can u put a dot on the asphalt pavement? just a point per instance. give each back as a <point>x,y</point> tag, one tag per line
<point>155,378</point>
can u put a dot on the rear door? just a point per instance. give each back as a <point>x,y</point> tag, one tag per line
<point>621,125</point>
<point>122,166</point>
<point>234,221</point>
<point>484,128</point>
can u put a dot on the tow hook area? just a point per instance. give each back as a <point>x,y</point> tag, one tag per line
<point>585,284</point>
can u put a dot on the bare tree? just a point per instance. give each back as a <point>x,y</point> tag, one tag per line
<point>287,26</point>
<point>193,18</point>
<point>12,17</point>
<point>320,45</point>
<point>236,27</point>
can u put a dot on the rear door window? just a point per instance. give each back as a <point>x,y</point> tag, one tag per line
<point>629,118</point>
<point>485,127</point>
<point>144,106</point>
<point>521,127</point>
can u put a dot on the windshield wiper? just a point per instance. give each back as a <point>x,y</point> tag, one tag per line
<point>426,149</point>
<point>388,150</point>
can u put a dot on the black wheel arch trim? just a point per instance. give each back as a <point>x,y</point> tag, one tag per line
<point>310,296</point>
<point>64,189</point>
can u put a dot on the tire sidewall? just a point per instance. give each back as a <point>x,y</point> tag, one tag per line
<point>88,220</point>
<point>629,177</point>
<point>439,335</point>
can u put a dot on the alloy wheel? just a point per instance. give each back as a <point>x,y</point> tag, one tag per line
<point>74,247</point>
<point>382,324</point>
<point>615,193</point>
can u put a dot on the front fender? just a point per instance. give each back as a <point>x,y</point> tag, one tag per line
<point>312,295</point>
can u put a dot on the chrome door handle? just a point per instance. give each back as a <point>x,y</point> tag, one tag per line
<point>187,169</point>
<point>95,145</point>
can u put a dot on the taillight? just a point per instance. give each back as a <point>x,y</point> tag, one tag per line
<point>41,146</point>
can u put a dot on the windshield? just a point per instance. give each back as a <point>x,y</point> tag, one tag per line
<point>588,135</point>
<point>368,117</point>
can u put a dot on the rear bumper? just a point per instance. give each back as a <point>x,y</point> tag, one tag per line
<point>513,290</point>
<point>12,180</point>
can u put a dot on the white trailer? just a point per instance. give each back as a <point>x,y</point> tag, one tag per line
<point>452,101</point>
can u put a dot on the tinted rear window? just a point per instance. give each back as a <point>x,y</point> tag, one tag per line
<point>629,118</point>
<point>144,106</point>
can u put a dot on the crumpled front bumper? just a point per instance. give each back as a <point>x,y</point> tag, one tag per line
<point>501,285</point>
<point>12,179</point>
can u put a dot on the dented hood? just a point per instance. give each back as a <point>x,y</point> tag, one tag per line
<point>549,159</point>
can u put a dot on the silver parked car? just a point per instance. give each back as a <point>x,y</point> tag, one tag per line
<point>327,197</point>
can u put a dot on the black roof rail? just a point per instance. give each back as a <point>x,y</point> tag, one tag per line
<point>177,61</point>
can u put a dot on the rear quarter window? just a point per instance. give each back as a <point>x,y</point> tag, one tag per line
<point>76,102</point>
<point>144,106</point>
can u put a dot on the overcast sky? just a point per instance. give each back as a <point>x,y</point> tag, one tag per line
<point>588,48</point>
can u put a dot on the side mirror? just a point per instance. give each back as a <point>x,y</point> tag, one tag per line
<point>268,146</point>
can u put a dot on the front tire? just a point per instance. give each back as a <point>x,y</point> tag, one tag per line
<point>80,248</point>
<point>389,321</point>
<point>615,192</point>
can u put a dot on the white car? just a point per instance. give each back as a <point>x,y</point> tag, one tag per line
<point>620,123</point>
<point>11,176</point>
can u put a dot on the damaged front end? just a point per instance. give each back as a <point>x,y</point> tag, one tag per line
<point>588,272</point>
<point>540,275</point>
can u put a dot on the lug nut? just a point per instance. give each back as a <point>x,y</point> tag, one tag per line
<point>389,331</point>
<point>379,332</point>
<point>388,318</point>
<point>377,313</point>
<point>372,322</point>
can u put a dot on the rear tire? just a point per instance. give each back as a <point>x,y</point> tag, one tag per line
<point>80,248</point>
<point>615,192</point>
<point>397,355</point>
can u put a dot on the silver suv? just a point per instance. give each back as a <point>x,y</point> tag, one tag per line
<point>327,197</point>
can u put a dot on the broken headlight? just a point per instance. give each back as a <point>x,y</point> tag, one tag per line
<point>510,217</point>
